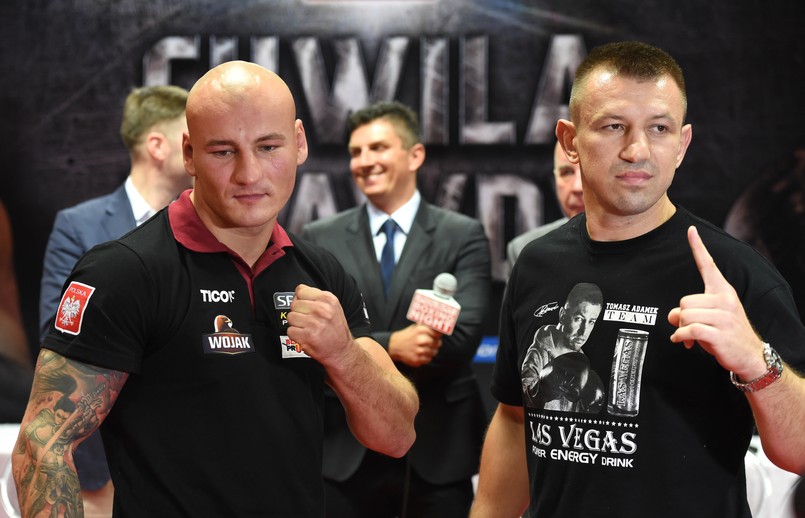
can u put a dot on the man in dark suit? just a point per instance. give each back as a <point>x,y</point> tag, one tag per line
<point>435,478</point>
<point>152,126</point>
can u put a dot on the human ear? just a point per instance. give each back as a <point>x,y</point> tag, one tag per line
<point>566,135</point>
<point>187,155</point>
<point>301,143</point>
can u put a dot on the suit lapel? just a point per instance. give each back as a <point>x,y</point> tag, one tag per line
<point>120,218</point>
<point>362,249</point>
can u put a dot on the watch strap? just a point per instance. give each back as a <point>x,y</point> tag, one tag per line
<point>774,372</point>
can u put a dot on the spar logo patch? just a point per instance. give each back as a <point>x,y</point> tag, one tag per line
<point>282,302</point>
<point>283,299</point>
<point>74,301</point>
<point>226,339</point>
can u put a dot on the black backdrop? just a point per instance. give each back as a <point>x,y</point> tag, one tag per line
<point>485,76</point>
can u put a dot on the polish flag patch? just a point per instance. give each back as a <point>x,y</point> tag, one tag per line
<point>72,306</point>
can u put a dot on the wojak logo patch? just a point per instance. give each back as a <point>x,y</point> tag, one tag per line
<point>73,303</point>
<point>226,339</point>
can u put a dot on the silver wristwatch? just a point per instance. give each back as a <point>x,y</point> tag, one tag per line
<point>774,371</point>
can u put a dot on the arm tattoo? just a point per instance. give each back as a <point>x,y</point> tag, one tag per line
<point>69,400</point>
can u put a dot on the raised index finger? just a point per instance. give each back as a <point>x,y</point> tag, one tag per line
<point>714,281</point>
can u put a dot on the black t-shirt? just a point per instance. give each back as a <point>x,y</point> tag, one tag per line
<point>669,438</point>
<point>222,413</point>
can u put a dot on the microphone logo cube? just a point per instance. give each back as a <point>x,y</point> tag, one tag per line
<point>439,314</point>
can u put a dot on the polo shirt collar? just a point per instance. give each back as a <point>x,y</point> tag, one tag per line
<point>191,233</point>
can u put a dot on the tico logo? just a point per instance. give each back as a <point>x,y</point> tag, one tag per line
<point>217,295</point>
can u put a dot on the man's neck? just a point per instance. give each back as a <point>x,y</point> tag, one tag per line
<point>154,187</point>
<point>390,205</point>
<point>248,242</point>
<point>602,226</point>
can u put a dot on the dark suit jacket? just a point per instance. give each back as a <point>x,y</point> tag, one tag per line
<point>517,244</point>
<point>451,420</point>
<point>76,229</point>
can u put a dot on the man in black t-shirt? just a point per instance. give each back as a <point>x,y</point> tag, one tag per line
<point>689,335</point>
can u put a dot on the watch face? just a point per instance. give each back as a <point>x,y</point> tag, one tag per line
<point>773,359</point>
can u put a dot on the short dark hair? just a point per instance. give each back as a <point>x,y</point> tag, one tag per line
<point>403,118</point>
<point>632,59</point>
<point>584,292</point>
<point>147,106</point>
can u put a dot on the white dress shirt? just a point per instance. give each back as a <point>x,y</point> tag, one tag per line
<point>139,207</point>
<point>403,217</point>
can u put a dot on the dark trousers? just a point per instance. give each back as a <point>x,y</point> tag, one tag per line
<point>384,487</point>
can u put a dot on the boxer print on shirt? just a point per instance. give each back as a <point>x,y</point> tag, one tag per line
<point>556,374</point>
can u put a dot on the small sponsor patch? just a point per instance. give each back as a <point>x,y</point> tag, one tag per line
<point>226,339</point>
<point>227,343</point>
<point>74,301</point>
<point>283,299</point>
<point>217,296</point>
<point>291,349</point>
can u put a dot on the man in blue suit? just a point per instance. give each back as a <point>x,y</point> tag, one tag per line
<point>152,126</point>
<point>435,478</point>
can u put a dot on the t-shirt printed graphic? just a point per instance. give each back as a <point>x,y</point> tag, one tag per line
<point>557,376</point>
<point>556,373</point>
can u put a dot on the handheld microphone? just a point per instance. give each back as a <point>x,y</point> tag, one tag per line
<point>436,308</point>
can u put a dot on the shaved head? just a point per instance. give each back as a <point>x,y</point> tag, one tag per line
<point>243,145</point>
<point>236,81</point>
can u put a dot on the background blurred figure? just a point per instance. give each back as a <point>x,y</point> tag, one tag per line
<point>435,477</point>
<point>15,360</point>
<point>567,181</point>
<point>770,215</point>
<point>13,342</point>
<point>152,126</point>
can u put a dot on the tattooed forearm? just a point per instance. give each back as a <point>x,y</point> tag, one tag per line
<point>68,402</point>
